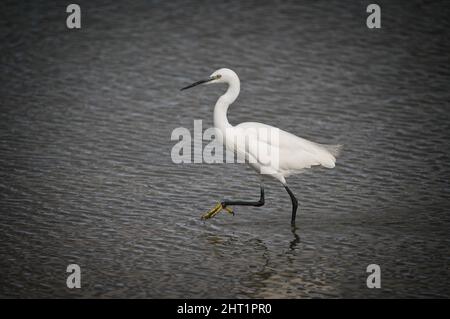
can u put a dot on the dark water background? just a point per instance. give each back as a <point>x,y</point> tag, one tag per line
<point>86,175</point>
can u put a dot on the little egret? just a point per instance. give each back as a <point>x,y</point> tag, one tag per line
<point>285,154</point>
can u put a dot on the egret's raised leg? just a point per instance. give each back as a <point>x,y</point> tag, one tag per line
<point>224,205</point>
<point>294,204</point>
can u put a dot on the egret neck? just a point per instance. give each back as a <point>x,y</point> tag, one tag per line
<point>220,110</point>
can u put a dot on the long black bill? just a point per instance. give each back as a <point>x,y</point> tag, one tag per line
<point>196,83</point>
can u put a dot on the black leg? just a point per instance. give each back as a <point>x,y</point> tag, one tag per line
<point>223,205</point>
<point>294,204</point>
<point>259,203</point>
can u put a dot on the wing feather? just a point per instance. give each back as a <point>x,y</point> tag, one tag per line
<point>295,153</point>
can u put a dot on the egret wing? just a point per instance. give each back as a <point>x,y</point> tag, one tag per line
<point>295,152</point>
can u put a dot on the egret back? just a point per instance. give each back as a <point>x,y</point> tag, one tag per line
<point>295,153</point>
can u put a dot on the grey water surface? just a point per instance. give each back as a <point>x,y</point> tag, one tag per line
<point>86,174</point>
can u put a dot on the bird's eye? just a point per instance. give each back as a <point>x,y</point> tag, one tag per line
<point>218,76</point>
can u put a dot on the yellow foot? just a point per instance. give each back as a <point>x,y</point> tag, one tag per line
<point>217,209</point>
<point>229,210</point>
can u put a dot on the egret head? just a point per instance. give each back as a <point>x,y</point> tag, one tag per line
<point>219,76</point>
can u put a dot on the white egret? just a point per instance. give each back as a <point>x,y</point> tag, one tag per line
<point>284,153</point>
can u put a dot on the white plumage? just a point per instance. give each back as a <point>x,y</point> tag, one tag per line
<point>267,149</point>
<point>294,153</point>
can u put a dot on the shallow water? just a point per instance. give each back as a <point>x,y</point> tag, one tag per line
<point>87,177</point>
